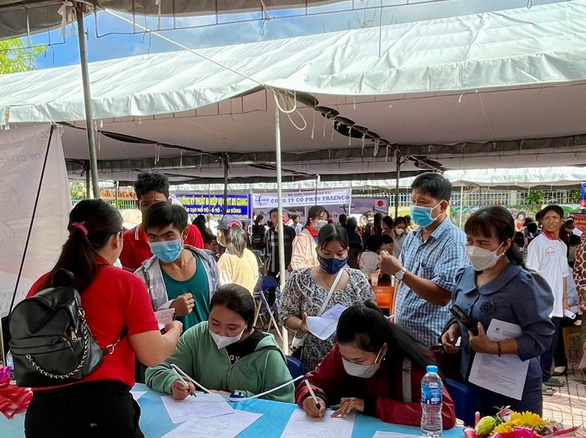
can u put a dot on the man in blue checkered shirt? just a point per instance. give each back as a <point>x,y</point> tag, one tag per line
<point>429,260</point>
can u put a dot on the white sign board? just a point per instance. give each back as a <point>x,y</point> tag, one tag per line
<point>295,199</point>
<point>22,155</point>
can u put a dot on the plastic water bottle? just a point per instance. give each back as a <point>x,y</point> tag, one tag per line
<point>431,403</point>
<point>10,364</point>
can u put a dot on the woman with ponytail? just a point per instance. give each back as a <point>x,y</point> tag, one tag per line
<point>238,264</point>
<point>497,287</point>
<point>117,308</point>
<point>375,368</point>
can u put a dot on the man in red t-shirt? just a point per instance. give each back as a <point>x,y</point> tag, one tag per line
<point>150,187</point>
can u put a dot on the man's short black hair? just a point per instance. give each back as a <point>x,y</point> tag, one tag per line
<point>386,239</point>
<point>161,214</point>
<point>555,208</point>
<point>294,216</point>
<point>433,184</point>
<point>273,210</point>
<point>151,181</point>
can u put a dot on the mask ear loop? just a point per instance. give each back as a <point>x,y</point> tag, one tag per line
<point>503,253</point>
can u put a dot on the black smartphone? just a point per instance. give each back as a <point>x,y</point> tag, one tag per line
<point>464,319</point>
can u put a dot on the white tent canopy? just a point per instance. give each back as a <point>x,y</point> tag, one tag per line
<point>499,89</point>
<point>508,178</point>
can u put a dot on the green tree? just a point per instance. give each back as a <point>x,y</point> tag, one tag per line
<point>77,190</point>
<point>15,56</point>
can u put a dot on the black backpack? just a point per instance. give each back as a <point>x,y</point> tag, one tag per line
<point>258,236</point>
<point>52,343</point>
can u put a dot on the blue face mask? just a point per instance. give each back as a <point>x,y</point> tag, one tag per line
<point>332,266</point>
<point>167,251</point>
<point>421,216</point>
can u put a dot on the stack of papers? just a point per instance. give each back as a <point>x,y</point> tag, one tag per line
<point>227,426</point>
<point>200,406</point>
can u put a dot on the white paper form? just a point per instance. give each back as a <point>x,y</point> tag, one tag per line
<point>201,406</point>
<point>164,316</point>
<point>324,326</point>
<point>380,434</point>
<point>137,394</point>
<point>506,374</point>
<point>301,424</point>
<point>227,426</point>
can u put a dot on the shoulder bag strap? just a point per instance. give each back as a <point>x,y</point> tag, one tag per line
<point>331,292</point>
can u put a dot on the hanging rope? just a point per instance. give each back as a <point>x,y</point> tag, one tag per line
<point>286,102</point>
<point>68,15</point>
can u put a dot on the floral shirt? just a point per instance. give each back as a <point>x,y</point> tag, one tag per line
<point>580,271</point>
<point>302,294</point>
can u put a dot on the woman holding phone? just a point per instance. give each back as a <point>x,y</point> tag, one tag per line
<point>496,288</point>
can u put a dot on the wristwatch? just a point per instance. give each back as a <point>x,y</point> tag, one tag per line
<point>400,273</point>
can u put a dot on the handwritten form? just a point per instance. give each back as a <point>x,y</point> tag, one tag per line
<point>302,425</point>
<point>506,374</point>
<point>227,426</point>
<point>202,406</point>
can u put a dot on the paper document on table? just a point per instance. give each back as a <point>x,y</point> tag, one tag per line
<point>137,394</point>
<point>227,426</point>
<point>301,424</point>
<point>164,316</point>
<point>506,374</point>
<point>201,406</point>
<point>325,325</point>
<point>380,434</point>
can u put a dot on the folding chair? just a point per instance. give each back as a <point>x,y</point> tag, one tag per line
<point>296,368</point>
<point>265,299</point>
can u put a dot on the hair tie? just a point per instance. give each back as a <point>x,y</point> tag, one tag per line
<point>234,223</point>
<point>80,226</point>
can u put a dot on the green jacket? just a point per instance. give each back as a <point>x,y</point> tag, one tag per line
<point>198,355</point>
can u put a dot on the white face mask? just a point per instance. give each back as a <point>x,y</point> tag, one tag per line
<point>224,341</point>
<point>481,258</point>
<point>320,224</point>
<point>399,231</point>
<point>362,371</point>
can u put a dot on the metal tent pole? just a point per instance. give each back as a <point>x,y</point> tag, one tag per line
<point>226,170</point>
<point>87,100</point>
<point>398,161</point>
<point>461,203</point>
<point>350,200</point>
<point>317,179</point>
<point>281,236</point>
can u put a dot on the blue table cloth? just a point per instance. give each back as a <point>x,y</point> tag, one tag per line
<point>155,422</point>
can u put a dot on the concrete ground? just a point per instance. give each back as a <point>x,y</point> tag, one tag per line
<point>568,404</point>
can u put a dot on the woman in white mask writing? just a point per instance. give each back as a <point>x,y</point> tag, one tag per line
<point>375,368</point>
<point>496,289</point>
<point>225,353</point>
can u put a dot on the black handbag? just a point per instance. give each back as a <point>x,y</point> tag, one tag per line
<point>52,343</point>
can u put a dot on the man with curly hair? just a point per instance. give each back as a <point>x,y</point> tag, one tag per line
<point>150,188</point>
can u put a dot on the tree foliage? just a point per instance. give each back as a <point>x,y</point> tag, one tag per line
<point>15,56</point>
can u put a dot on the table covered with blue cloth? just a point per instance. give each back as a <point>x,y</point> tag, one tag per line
<point>155,422</point>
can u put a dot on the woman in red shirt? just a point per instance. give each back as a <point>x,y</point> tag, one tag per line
<point>375,368</point>
<point>115,302</point>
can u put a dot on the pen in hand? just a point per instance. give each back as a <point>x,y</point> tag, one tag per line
<point>317,405</point>
<point>182,379</point>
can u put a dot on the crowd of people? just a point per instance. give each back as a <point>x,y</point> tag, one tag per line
<point>371,364</point>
